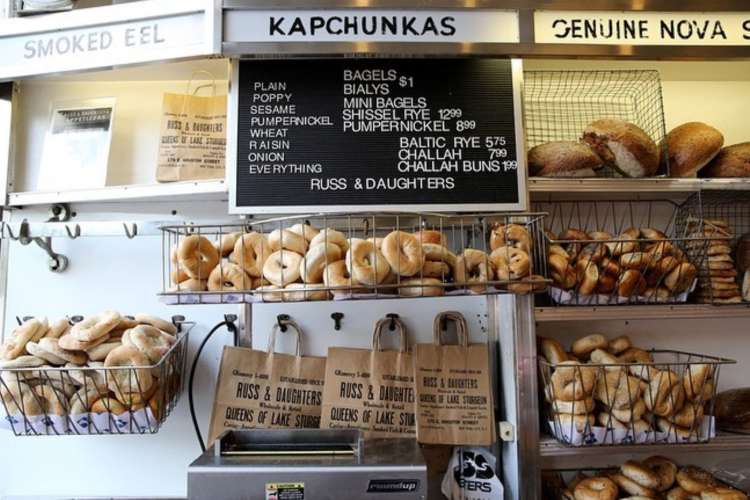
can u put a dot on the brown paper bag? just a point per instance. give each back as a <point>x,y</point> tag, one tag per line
<point>371,390</point>
<point>192,143</point>
<point>259,389</point>
<point>454,395</point>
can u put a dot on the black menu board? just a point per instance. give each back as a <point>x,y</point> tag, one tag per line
<point>375,134</point>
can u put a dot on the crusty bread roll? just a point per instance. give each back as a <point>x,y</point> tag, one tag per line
<point>563,159</point>
<point>732,161</point>
<point>623,146</point>
<point>691,146</point>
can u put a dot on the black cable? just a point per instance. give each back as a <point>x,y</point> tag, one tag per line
<point>231,327</point>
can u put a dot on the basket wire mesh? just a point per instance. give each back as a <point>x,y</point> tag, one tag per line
<point>619,252</point>
<point>347,257</point>
<point>723,218</point>
<point>665,400</point>
<point>132,400</point>
<point>559,105</point>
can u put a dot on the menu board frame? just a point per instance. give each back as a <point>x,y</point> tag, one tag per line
<point>250,209</point>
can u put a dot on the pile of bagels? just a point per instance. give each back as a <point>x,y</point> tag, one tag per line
<point>130,346</point>
<point>640,264</point>
<point>692,149</point>
<point>654,477</point>
<point>302,262</point>
<point>583,391</point>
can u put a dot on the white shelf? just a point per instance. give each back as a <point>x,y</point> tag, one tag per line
<point>113,35</point>
<point>213,190</point>
<point>676,311</point>
<point>633,186</point>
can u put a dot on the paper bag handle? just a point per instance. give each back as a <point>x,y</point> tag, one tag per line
<point>289,324</point>
<point>205,85</point>
<point>462,330</point>
<point>385,323</point>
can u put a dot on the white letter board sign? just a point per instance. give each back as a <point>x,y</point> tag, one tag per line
<point>376,134</point>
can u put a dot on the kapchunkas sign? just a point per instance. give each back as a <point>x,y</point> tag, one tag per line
<point>105,36</point>
<point>371,25</point>
<point>642,28</point>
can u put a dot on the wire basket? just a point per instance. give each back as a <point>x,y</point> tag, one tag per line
<point>619,253</point>
<point>724,219</point>
<point>353,256</point>
<point>94,400</point>
<point>667,400</point>
<point>559,105</point>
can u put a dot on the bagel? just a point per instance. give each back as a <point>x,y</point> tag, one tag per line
<point>572,235</point>
<point>659,250</point>
<point>664,395</point>
<point>269,293</point>
<point>421,287</point>
<point>512,235</point>
<point>587,275</point>
<point>695,377</point>
<point>607,284</point>
<point>601,357</point>
<point>336,275</point>
<point>664,468</point>
<point>331,236</point>
<point>305,230</point>
<point>552,350</point>
<point>430,236</point>
<point>284,239</point>
<point>191,285</point>
<point>562,272</point>
<point>41,332</point>
<point>631,487</point>
<point>636,260</point>
<point>681,277</point>
<point>21,335</point>
<point>619,344</point>
<point>581,423</point>
<point>630,413</point>
<point>678,493</point>
<point>227,242</point>
<point>579,407</point>
<point>108,405</point>
<point>148,319</point>
<point>51,401</point>
<point>365,263</point>
<point>532,283</point>
<point>721,493</point>
<point>641,474</point>
<point>631,284</point>
<point>150,341</point>
<point>664,266</point>
<point>595,488</point>
<point>229,277</point>
<point>609,267</point>
<point>403,251</point>
<point>473,267</point>
<point>584,346</point>
<point>19,399</point>
<point>251,251</point>
<point>695,480</point>
<point>58,328</point>
<point>99,353</point>
<point>52,346</point>
<point>177,275</point>
<point>617,390</point>
<point>197,256</point>
<point>128,379</point>
<point>658,295</point>
<point>625,242</point>
<point>434,269</point>
<point>558,250</point>
<point>34,349</point>
<point>304,291</point>
<point>82,400</point>
<point>316,259</point>
<point>438,253</point>
<point>570,382</point>
<point>690,416</point>
<point>282,267</point>
<point>95,327</point>
<point>510,263</point>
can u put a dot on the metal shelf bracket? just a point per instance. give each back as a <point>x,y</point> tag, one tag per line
<point>57,263</point>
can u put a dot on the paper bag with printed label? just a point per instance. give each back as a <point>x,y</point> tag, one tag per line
<point>454,396</point>
<point>192,144</point>
<point>371,390</point>
<point>268,390</point>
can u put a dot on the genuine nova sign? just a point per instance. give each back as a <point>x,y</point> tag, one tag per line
<point>642,28</point>
<point>369,25</point>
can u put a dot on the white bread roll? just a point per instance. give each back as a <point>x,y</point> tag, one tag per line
<point>623,146</point>
<point>691,146</point>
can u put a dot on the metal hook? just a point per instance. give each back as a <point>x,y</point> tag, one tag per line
<point>130,234</point>
<point>337,317</point>
<point>393,317</point>
<point>281,319</point>
<point>74,234</point>
<point>76,319</point>
<point>12,236</point>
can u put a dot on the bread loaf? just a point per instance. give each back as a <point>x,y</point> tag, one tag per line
<point>732,161</point>
<point>732,409</point>
<point>623,146</point>
<point>743,253</point>
<point>690,147</point>
<point>563,159</point>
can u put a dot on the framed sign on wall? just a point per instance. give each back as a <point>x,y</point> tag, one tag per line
<point>376,134</point>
